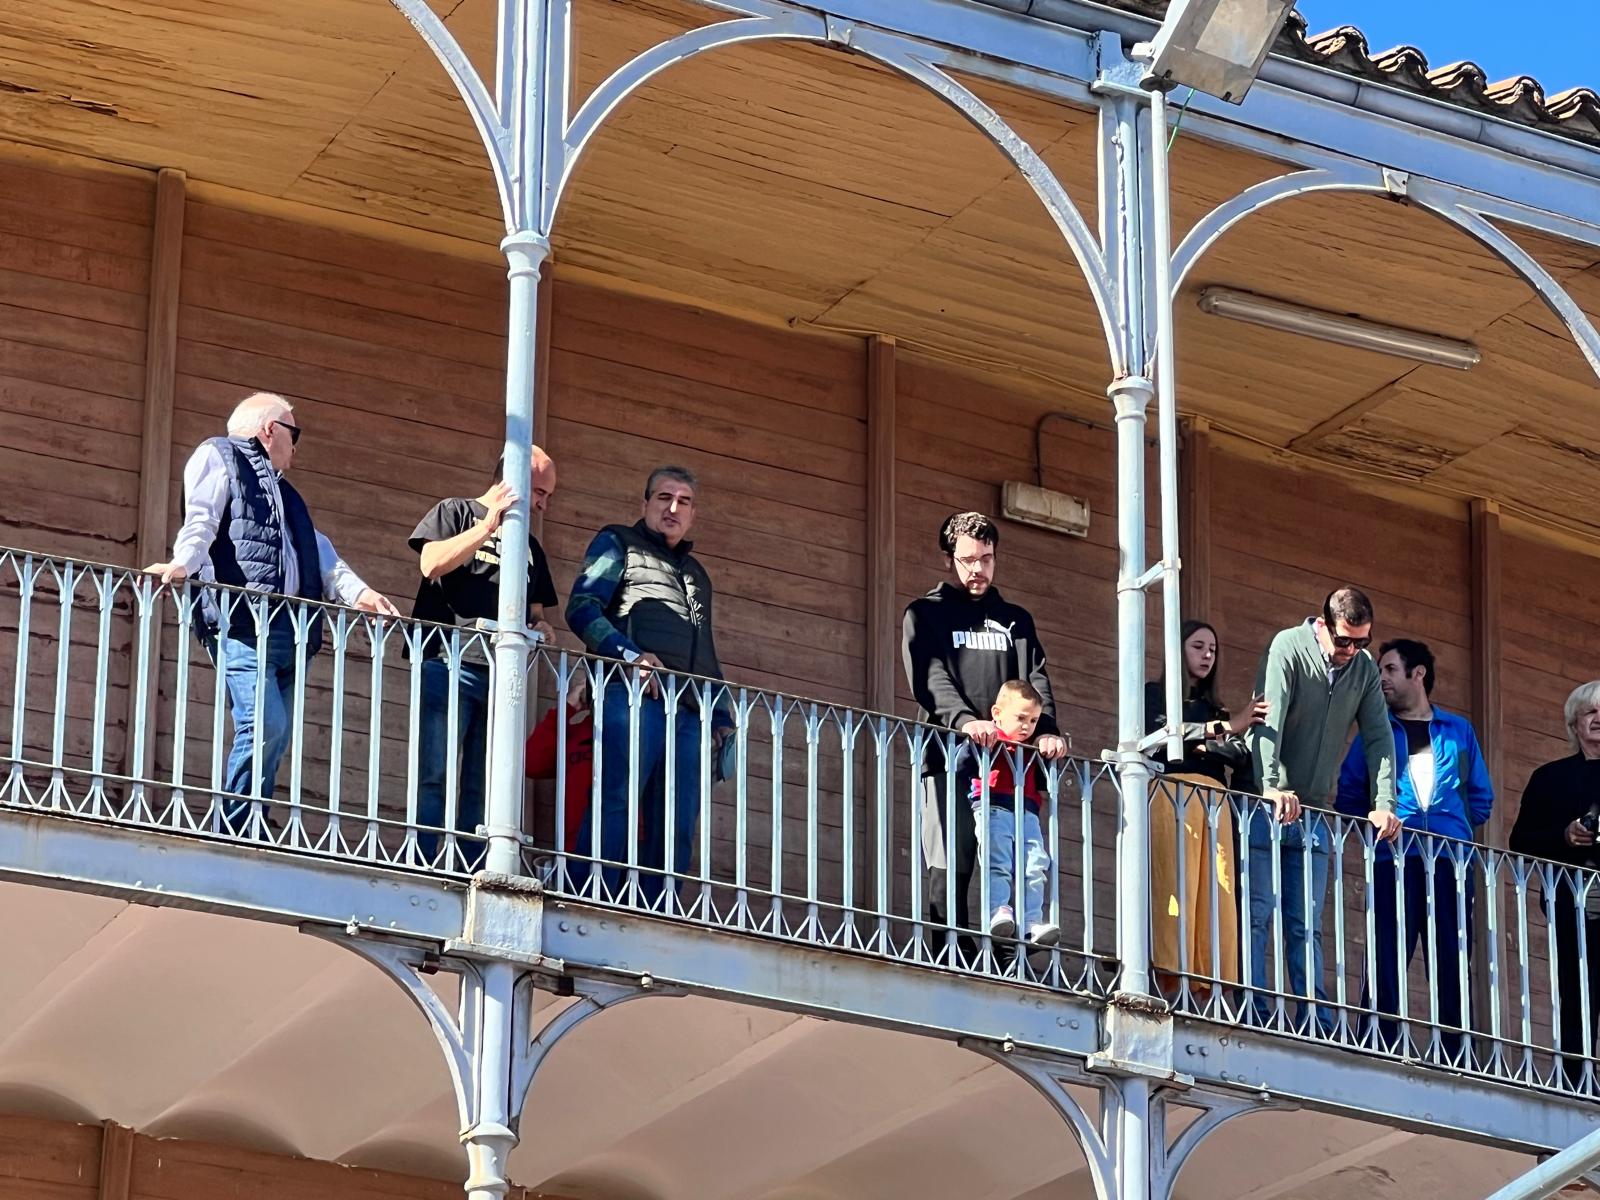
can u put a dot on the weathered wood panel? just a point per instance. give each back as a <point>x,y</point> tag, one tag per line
<point>1283,538</point>
<point>48,1160</point>
<point>74,269</point>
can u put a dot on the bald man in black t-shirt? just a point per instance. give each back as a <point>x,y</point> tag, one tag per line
<point>458,544</point>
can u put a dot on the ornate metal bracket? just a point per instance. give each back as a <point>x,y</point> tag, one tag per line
<point>490,1045</point>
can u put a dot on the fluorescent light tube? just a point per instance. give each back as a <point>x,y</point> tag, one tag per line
<point>1339,328</point>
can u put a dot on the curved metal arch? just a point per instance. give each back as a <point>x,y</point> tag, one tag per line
<point>639,70</point>
<point>883,49</point>
<point>594,999</point>
<point>1095,1138</point>
<point>1169,1160</point>
<point>1443,201</point>
<point>402,964</point>
<point>492,128</point>
<point>1210,228</point>
<point>1449,204</point>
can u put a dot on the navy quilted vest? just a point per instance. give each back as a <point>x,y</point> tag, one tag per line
<point>248,550</point>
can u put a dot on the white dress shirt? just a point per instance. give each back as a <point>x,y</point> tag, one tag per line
<point>205,486</point>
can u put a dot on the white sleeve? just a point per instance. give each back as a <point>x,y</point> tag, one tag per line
<point>205,488</point>
<point>339,582</point>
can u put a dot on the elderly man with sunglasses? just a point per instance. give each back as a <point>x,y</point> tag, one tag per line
<point>1318,680</point>
<point>267,544</point>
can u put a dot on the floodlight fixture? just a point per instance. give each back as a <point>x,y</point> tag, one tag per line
<point>1215,46</point>
<point>1339,328</point>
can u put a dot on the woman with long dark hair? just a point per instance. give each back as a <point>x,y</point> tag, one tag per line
<point>1183,914</point>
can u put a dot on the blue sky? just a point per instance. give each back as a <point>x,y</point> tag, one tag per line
<point>1555,41</point>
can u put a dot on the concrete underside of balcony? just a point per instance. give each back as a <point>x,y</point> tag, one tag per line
<point>190,1024</point>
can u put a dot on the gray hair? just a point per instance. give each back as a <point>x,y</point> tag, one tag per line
<point>1585,695</point>
<point>256,410</point>
<point>680,474</point>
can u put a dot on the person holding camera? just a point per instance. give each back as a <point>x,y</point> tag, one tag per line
<point>458,551</point>
<point>1560,819</point>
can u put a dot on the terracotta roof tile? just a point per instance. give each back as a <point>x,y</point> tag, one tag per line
<point>1572,114</point>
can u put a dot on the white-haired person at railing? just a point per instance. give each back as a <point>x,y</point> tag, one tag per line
<point>1442,791</point>
<point>1559,819</point>
<point>245,525</point>
<point>1182,913</point>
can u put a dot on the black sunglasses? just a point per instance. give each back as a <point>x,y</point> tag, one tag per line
<point>1348,643</point>
<point>294,431</point>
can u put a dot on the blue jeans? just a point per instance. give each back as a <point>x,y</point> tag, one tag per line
<point>435,752</point>
<point>1000,860</point>
<point>652,816</point>
<point>238,659</point>
<point>1299,928</point>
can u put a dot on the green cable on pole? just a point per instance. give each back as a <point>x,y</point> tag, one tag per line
<point>1178,124</point>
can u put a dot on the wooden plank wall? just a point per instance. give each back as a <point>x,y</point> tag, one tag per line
<point>949,460</point>
<point>1281,539</point>
<point>74,273</point>
<point>56,1160</point>
<point>394,352</point>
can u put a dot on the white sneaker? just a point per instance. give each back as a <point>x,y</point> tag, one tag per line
<point>1003,922</point>
<point>1044,935</point>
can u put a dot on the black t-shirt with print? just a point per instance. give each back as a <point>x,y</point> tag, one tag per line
<point>472,590</point>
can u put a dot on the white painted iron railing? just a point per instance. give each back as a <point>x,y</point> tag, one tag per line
<point>111,710</point>
<point>118,713</point>
<point>1496,1007</point>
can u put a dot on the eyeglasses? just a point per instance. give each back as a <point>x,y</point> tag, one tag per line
<point>294,431</point>
<point>1349,643</point>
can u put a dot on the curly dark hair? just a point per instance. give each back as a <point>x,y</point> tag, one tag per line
<point>967,524</point>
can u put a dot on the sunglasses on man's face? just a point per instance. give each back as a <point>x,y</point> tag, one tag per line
<point>1350,643</point>
<point>294,431</point>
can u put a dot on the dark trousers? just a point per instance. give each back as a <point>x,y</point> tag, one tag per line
<point>942,825</point>
<point>436,750</point>
<point>1575,966</point>
<point>1400,918</point>
<point>656,870</point>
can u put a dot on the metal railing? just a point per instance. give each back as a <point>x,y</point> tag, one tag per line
<point>794,818</point>
<point>1317,930</point>
<point>777,816</point>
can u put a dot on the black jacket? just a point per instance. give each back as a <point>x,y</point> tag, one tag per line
<point>1200,757</point>
<point>957,653</point>
<point>1557,794</point>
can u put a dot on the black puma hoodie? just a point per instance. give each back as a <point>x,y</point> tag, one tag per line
<point>958,651</point>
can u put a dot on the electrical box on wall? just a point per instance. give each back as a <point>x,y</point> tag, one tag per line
<point>1055,511</point>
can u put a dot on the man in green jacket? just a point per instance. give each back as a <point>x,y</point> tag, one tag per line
<point>1318,681</point>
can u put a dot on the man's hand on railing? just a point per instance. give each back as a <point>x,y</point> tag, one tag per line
<point>1285,805</point>
<point>647,665</point>
<point>170,572</point>
<point>1386,823</point>
<point>374,601</point>
<point>1051,747</point>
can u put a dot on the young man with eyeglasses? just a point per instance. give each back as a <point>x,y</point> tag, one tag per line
<point>267,544</point>
<point>1318,680</point>
<point>962,642</point>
